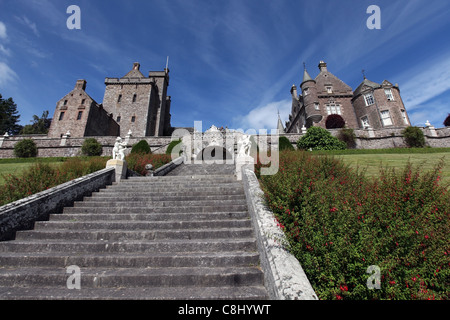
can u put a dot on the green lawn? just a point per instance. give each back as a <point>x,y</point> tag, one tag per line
<point>372,162</point>
<point>16,166</point>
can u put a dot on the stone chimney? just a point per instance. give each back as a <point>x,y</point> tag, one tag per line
<point>136,66</point>
<point>81,84</point>
<point>323,66</point>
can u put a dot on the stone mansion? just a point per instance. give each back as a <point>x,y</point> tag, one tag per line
<point>372,105</point>
<point>133,103</point>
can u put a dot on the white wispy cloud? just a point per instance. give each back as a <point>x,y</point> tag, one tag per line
<point>265,116</point>
<point>6,74</point>
<point>3,34</point>
<point>29,24</point>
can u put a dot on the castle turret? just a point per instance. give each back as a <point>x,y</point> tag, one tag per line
<point>310,100</point>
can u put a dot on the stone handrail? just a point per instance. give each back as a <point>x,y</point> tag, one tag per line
<point>21,214</point>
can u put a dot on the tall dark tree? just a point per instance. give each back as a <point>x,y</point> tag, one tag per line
<point>9,117</point>
<point>447,121</point>
<point>38,125</point>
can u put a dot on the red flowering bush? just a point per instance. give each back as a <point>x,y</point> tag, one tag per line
<point>42,176</point>
<point>138,161</point>
<point>338,223</point>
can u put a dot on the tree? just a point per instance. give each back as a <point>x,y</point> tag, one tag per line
<point>38,126</point>
<point>447,121</point>
<point>9,117</point>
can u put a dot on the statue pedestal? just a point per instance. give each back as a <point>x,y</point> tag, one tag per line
<point>242,161</point>
<point>121,169</point>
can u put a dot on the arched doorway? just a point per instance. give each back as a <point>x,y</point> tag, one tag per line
<point>215,154</point>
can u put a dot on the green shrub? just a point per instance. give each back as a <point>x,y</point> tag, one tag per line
<point>284,144</point>
<point>91,147</point>
<point>414,137</point>
<point>172,145</point>
<point>141,147</point>
<point>347,136</point>
<point>317,138</point>
<point>339,223</point>
<point>25,149</point>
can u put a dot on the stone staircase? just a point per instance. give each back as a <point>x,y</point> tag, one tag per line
<point>183,236</point>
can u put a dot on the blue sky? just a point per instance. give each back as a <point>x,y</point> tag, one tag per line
<point>232,62</point>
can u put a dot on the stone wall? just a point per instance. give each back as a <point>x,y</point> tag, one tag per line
<point>71,147</point>
<point>22,214</point>
<point>388,138</point>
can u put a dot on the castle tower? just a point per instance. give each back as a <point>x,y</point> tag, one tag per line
<point>379,105</point>
<point>310,99</point>
<point>139,104</point>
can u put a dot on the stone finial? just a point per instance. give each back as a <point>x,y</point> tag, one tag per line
<point>428,124</point>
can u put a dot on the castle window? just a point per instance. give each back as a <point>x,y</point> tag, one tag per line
<point>329,89</point>
<point>365,122</point>
<point>80,114</point>
<point>369,99</point>
<point>389,94</point>
<point>386,118</point>
<point>120,98</point>
<point>83,101</point>
<point>334,109</point>
<point>134,97</point>
<point>65,102</point>
<point>306,91</point>
<point>133,119</point>
<point>316,106</point>
<point>61,116</point>
<point>405,118</point>
<point>118,119</point>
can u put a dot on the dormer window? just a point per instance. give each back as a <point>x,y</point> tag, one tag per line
<point>369,99</point>
<point>389,94</point>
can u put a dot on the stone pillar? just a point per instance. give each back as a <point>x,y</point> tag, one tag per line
<point>244,161</point>
<point>121,169</point>
<point>431,129</point>
<point>2,138</point>
<point>64,139</point>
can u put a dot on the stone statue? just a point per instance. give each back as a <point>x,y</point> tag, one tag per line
<point>119,149</point>
<point>244,146</point>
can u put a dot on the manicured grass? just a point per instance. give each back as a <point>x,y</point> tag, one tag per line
<point>373,162</point>
<point>16,166</point>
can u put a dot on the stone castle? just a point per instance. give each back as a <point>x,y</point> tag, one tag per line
<point>131,104</point>
<point>372,105</point>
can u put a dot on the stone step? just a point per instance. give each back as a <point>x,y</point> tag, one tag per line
<point>150,203</point>
<point>143,246</point>
<point>150,217</point>
<point>134,277</point>
<point>171,185</point>
<point>152,293</point>
<point>169,193</point>
<point>161,197</point>
<point>151,209</point>
<point>120,235</point>
<point>140,225</point>
<point>182,179</point>
<point>127,260</point>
